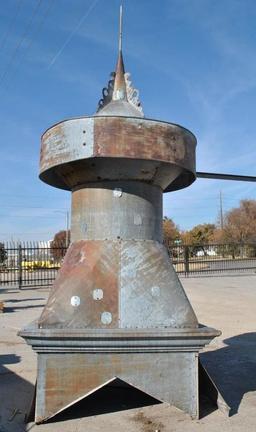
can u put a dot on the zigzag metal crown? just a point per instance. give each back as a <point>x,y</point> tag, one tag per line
<point>132,93</point>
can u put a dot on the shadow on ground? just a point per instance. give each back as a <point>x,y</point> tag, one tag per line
<point>23,300</point>
<point>116,396</point>
<point>233,368</point>
<point>8,309</point>
<point>14,307</point>
<point>15,395</point>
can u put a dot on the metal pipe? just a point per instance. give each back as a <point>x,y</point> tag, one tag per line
<point>218,176</point>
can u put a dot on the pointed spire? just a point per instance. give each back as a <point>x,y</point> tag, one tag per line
<point>120,97</point>
<point>120,28</point>
<point>119,92</point>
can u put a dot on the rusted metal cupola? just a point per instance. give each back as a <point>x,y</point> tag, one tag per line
<point>117,308</point>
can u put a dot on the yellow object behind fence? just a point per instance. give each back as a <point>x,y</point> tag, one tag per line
<point>34,265</point>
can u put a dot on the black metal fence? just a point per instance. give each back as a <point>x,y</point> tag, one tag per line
<point>213,258</point>
<point>37,263</point>
<point>29,263</point>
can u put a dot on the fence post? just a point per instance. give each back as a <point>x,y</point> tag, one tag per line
<point>186,260</point>
<point>20,266</point>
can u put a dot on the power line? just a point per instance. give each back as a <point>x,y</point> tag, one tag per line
<point>87,13</point>
<point>21,40</point>
<point>41,23</point>
<point>10,27</point>
<point>34,207</point>
<point>23,232</point>
<point>29,216</point>
<point>34,35</point>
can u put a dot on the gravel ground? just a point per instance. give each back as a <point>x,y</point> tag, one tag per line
<point>226,303</point>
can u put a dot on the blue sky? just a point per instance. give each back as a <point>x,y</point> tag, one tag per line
<point>194,62</point>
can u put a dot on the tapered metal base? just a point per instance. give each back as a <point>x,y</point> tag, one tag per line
<point>73,364</point>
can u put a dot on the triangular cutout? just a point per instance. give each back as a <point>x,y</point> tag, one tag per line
<point>116,395</point>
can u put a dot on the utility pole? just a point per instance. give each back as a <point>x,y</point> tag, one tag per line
<point>221,212</point>
<point>67,227</point>
<point>66,213</point>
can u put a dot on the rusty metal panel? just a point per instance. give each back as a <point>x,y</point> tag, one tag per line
<point>144,139</point>
<point>68,378</point>
<point>67,141</point>
<point>85,293</point>
<point>151,294</point>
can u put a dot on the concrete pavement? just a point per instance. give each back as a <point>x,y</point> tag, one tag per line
<point>224,302</point>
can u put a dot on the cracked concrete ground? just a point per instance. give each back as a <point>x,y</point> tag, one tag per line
<point>224,302</point>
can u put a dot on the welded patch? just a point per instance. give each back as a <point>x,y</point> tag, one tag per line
<point>75,301</point>
<point>97,294</point>
<point>106,318</point>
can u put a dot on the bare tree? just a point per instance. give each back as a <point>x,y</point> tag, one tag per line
<point>58,245</point>
<point>240,223</point>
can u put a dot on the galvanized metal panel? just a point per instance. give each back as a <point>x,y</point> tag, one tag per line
<point>151,293</point>
<point>117,210</point>
<point>67,141</point>
<point>117,339</point>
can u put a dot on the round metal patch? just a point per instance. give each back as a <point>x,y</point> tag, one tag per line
<point>106,318</point>
<point>75,301</point>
